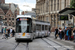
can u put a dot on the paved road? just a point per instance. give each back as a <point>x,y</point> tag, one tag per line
<point>47,43</point>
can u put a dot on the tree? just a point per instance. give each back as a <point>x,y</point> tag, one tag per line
<point>72,4</point>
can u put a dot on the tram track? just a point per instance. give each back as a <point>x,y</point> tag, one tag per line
<point>15,46</point>
<point>58,44</point>
<point>45,40</point>
<point>27,46</point>
<point>49,44</point>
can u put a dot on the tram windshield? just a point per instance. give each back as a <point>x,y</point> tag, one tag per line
<point>23,25</point>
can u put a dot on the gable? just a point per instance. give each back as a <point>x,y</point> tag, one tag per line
<point>1,12</point>
<point>9,13</point>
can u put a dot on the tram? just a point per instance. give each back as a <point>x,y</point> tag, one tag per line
<point>28,28</point>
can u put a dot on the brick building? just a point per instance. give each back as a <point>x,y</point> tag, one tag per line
<point>47,10</point>
<point>8,13</point>
<point>2,1</point>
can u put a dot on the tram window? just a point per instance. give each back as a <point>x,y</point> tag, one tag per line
<point>42,27</point>
<point>34,28</point>
<point>23,26</point>
<point>38,27</point>
<point>46,27</point>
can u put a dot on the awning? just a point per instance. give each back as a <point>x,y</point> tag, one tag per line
<point>67,11</point>
<point>73,13</point>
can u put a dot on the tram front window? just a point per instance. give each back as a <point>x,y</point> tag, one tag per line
<point>23,26</point>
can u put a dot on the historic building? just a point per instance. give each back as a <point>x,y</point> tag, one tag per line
<point>8,13</point>
<point>47,10</point>
<point>2,1</point>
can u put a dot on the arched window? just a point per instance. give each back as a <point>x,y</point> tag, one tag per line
<point>54,20</point>
<point>57,4</point>
<point>65,3</point>
<point>51,5</point>
<point>54,5</point>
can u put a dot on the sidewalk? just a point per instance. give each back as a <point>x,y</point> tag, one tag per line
<point>0,36</point>
<point>52,35</point>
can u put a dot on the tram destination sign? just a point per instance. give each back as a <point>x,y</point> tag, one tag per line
<point>63,17</point>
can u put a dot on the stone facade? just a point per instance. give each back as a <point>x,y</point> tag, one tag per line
<point>47,10</point>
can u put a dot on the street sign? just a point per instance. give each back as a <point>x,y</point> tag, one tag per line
<point>63,17</point>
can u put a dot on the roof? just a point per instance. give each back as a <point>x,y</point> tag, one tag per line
<point>67,11</point>
<point>18,16</point>
<point>73,13</point>
<point>4,7</point>
<point>33,14</point>
<point>41,22</point>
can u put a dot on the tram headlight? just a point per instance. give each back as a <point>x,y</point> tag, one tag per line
<point>27,33</point>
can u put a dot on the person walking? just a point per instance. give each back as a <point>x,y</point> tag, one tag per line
<point>11,32</point>
<point>74,34</point>
<point>63,33</point>
<point>2,29</point>
<point>3,35</point>
<point>56,32</point>
<point>67,34</point>
<point>5,29</point>
<point>60,33</point>
<point>8,32</point>
<point>70,33</point>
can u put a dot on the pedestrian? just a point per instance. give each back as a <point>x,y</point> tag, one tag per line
<point>72,37</point>
<point>8,32</point>
<point>3,35</point>
<point>74,34</point>
<point>13,32</point>
<point>70,33</point>
<point>2,29</point>
<point>67,34</point>
<point>60,33</point>
<point>63,33</point>
<point>5,29</point>
<point>56,32</point>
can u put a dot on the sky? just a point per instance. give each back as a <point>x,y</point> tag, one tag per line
<point>24,5</point>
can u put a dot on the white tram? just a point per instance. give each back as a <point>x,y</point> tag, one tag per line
<point>28,29</point>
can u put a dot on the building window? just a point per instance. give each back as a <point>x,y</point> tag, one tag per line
<point>9,14</point>
<point>46,18</point>
<point>12,18</point>
<point>65,3</point>
<point>51,20</point>
<point>9,18</point>
<point>54,5</point>
<point>47,6</point>
<point>54,20</point>
<point>5,23</point>
<point>1,17</point>
<point>51,5</point>
<point>57,4</point>
<point>13,23</point>
<point>9,24</point>
<point>57,19</point>
<point>5,18</point>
